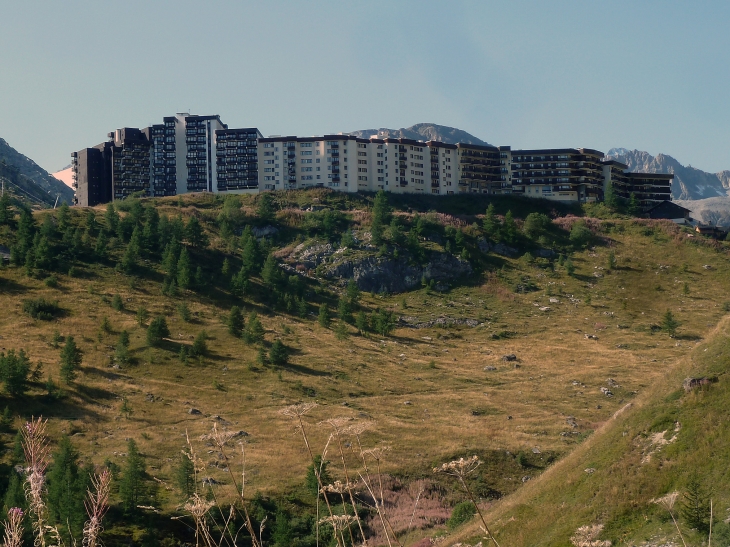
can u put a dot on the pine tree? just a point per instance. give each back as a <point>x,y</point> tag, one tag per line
<point>184,275</point>
<point>490,222</point>
<point>270,272</point>
<point>610,199</point>
<point>15,494</point>
<point>200,346</point>
<point>142,316</point>
<point>117,303</point>
<point>508,230</point>
<point>14,371</point>
<point>121,354</point>
<point>341,330</point>
<point>302,308</point>
<point>353,292</point>
<point>132,488</point>
<point>344,310</point>
<point>254,330</point>
<point>282,533</point>
<point>361,322</point>
<point>235,322</point>
<point>696,505</point>
<point>324,315</point>
<point>669,324</point>
<point>633,208</point>
<point>157,331</point>
<point>66,491</point>
<point>226,269</point>
<point>64,216</point>
<point>195,235</point>
<point>70,360</point>
<point>185,477</point>
<point>6,214</point>
<point>265,207</point>
<point>278,354</point>
<point>381,209</point>
<point>250,255</point>
<point>111,217</point>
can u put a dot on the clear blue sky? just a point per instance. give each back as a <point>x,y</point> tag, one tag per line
<point>648,75</point>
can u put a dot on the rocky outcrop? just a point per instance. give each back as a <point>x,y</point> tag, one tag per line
<point>396,275</point>
<point>374,273</point>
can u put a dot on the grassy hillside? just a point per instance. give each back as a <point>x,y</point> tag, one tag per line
<point>589,313</point>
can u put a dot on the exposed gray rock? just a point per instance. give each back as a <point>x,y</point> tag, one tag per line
<point>265,231</point>
<point>395,275</point>
<point>509,357</point>
<point>194,411</point>
<point>544,253</point>
<point>497,248</point>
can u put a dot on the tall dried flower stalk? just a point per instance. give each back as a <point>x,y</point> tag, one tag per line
<point>36,448</point>
<point>338,431</point>
<point>296,412</point>
<point>14,528</point>
<point>460,469</point>
<point>668,502</point>
<point>377,454</point>
<point>97,504</point>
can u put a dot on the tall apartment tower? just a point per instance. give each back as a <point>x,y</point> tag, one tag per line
<point>180,155</point>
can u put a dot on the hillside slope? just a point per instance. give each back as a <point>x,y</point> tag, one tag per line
<point>422,132</point>
<point>689,182</point>
<point>650,448</point>
<point>33,181</point>
<point>506,361</point>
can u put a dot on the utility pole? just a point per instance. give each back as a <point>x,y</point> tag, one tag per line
<point>54,205</point>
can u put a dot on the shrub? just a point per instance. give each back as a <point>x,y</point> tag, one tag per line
<point>117,303</point>
<point>142,315</point>
<point>536,225</point>
<point>580,235</point>
<point>157,331</point>
<point>324,315</point>
<point>51,282</point>
<point>70,360</point>
<point>40,308</point>
<point>461,514</point>
<point>254,330</point>
<point>14,371</point>
<point>235,322</point>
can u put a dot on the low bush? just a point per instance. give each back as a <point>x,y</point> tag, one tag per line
<point>40,308</point>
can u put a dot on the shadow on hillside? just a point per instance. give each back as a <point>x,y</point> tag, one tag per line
<point>301,369</point>
<point>688,337</point>
<point>93,394</point>
<point>100,373</point>
<point>50,407</point>
<point>11,287</point>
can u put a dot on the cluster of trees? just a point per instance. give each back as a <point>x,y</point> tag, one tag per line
<point>67,480</point>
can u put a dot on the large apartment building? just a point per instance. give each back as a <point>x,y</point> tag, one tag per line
<point>178,156</point>
<point>190,153</point>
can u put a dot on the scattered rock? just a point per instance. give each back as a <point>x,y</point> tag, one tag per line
<point>590,470</point>
<point>536,450</point>
<point>610,382</point>
<point>526,478</point>
<point>544,253</point>
<point>570,420</point>
<point>554,301</point>
<point>690,383</point>
<point>517,365</point>
<point>707,267</point>
<point>509,417</point>
<point>194,411</point>
<point>209,481</point>
<point>497,248</point>
<point>149,398</point>
<point>545,308</point>
<point>591,337</point>
<point>407,403</point>
<point>607,392</point>
<point>239,434</point>
<point>490,368</point>
<point>509,357</point>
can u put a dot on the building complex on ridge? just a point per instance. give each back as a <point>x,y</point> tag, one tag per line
<point>190,153</point>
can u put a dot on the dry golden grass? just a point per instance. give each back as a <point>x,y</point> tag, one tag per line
<point>426,413</point>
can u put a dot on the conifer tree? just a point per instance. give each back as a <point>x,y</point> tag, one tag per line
<point>67,485</point>
<point>195,235</point>
<point>70,360</point>
<point>324,315</point>
<point>278,353</point>
<point>491,222</point>
<point>184,274</point>
<point>111,217</point>
<point>254,330</point>
<point>64,217</point>
<point>235,322</point>
<point>185,477</point>
<point>14,371</point>
<point>157,331</point>
<point>6,214</point>
<point>265,207</point>
<point>132,488</point>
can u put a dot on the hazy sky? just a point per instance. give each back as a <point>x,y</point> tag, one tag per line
<point>648,75</point>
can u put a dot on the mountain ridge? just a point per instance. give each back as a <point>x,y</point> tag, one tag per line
<point>689,182</point>
<point>424,132</point>
<point>33,181</point>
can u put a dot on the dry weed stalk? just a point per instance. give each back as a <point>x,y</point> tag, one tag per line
<point>585,536</point>
<point>36,448</point>
<point>460,469</point>
<point>296,412</point>
<point>377,454</point>
<point>337,432</point>
<point>199,508</point>
<point>668,502</point>
<point>14,528</point>
<point>97,504</point>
